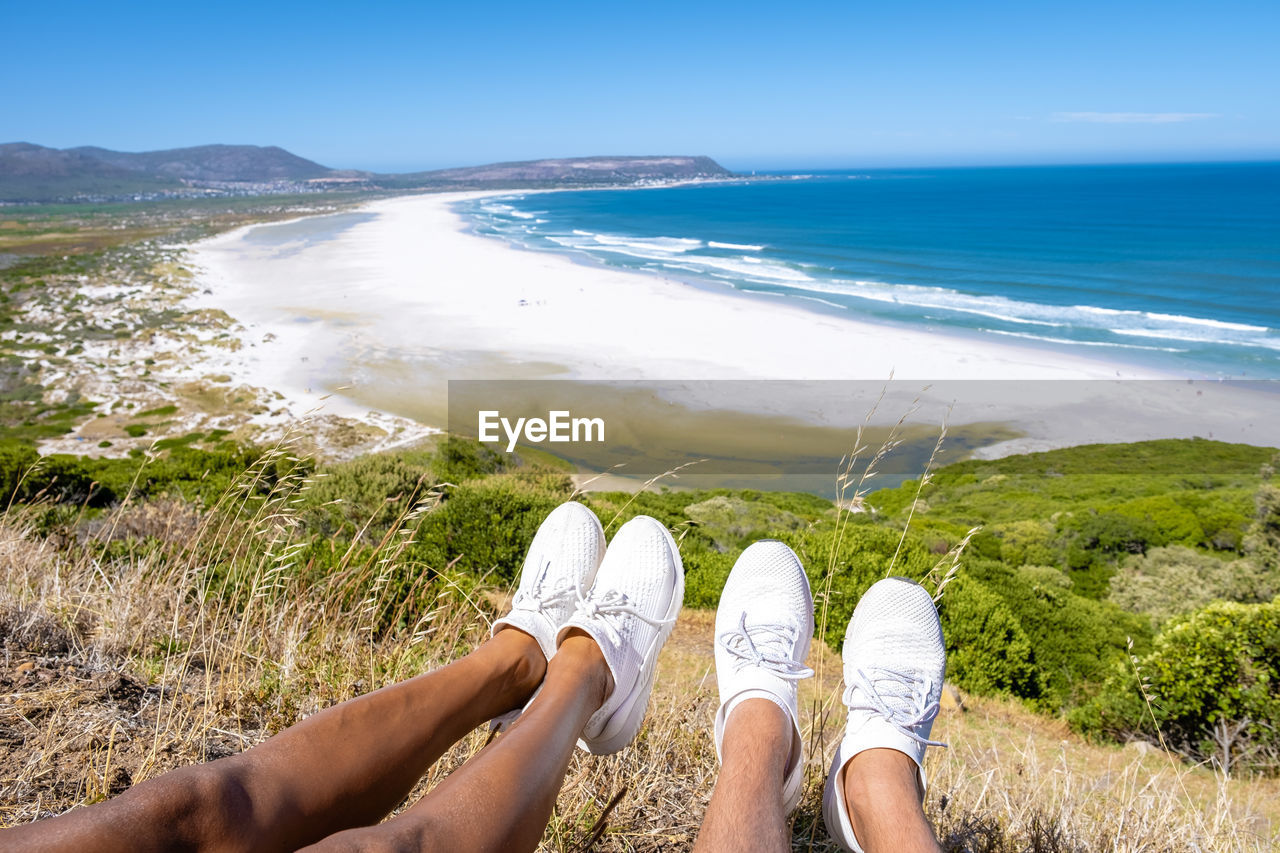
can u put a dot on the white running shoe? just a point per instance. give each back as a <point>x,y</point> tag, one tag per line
<point>763,627</point>
<point>894,665</point>
<point>560,566</point>
<point>629,612</point>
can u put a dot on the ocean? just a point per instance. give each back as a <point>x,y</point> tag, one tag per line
<point>1172,267</point>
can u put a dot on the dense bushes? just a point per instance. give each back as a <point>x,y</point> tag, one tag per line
<point>1074,640</point>
<point>486,525</point>
<point>1175,579</point>
<point>988,651</point>
<point>201,476</point>
<point>1213,679</point>
<point>1074,563</point>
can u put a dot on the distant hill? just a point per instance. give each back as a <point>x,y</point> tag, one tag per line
<point>572,171</point>
<point>214,163</point>
<point>34,173</point>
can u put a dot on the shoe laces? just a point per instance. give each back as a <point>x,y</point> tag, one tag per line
<point>900,697</point>
<point>609,608</point>
<point>767,645</point>
<point>563,592</point>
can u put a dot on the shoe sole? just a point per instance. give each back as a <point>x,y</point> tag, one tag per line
<point>629,726</point>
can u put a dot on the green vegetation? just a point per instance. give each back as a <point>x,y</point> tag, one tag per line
<point>1086,560</point>
<point>158,411</point>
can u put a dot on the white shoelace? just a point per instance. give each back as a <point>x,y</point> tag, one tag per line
<point>607,609</point>
<point>563,592</point>
<point>901,698</point>
<point>767,645</point>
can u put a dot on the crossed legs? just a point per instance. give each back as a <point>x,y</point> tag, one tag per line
<point>349,765</point>
<point>512,783</point>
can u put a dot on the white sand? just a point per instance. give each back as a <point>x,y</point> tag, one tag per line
<point>408,298</point>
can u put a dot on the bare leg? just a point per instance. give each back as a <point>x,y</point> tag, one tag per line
<point>346,766</point>
<point>882,788</point>
<point>502,798</point>
<point>746,811</point>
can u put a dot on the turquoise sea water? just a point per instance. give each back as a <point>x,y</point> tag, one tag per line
<point>1171,266</point>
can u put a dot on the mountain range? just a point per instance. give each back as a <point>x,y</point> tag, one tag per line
<point>35,173</point>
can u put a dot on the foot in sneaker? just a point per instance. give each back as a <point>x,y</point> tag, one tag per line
<point>560,566</point>
<point>629,612</point>
<point>894,664</point>
<point>763,627</point>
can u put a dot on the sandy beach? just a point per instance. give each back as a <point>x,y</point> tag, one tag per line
<point>409,280</point>
<point>381,307</point>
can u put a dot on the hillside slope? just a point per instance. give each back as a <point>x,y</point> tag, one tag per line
<point>34,173</point>
<point>213,163</point>
<point>576,170</point>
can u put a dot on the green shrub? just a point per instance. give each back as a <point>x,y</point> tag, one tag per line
<point>16,459</point>
<point>457,459</point>
<point>987,650</point>
<point>1164,521</point>
<point>363,497</point>
<point>1175,579</point>
<point>1217,668</point>
<point>1024,542</point>
<point>486,525</point>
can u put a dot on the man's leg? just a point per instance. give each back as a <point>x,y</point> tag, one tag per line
<point>346,766</point>
<point>763,627</point>
<point>894,664</point>
<point>501,799</point>
<point>883,794</point>
<point>746,810</point>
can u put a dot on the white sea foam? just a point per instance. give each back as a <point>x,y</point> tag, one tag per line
<point>660,244</point>
<point>1203,321</point>
<point>1121,321</point>
<point>1082,343</point>
<point>823,301</point>
<point>751,268</point>
<point>1178,335</point>
<point>739,247</point>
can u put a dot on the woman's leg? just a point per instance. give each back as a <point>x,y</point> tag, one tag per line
<point>346,766</point>
<point>597,688</point>
<point>501,799</point>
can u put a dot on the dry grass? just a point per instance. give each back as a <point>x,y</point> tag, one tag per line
<point>207,641</point>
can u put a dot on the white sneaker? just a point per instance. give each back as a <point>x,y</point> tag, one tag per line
<point>560,566</point>
<point>629,612</point>
<point>894,665</point>
<point>763,627</point>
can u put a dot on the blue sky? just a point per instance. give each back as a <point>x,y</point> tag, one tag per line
<point>400,87</point>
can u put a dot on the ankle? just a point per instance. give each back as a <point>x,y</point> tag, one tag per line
<point>579,656</point>
<point>884,782</point>
<point>521,663</point>
<point>876,775</point>
<point>758,734</point>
